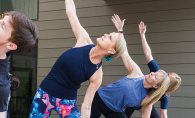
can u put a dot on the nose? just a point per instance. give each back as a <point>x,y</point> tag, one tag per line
<point>105,35</point>
<point>152,73</point>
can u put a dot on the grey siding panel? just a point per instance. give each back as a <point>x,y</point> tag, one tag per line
<point>170,34</point>
<point>152,6</point>
<point>130,19</point>
<point>169,26</point>
<point>158,48</point>
<point>161,59</point>
<point>51,5</point>
<point>152,38</point>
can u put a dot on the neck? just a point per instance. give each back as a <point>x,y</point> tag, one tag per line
<point>3,55</point>
<point>146,84</point>
<point>96,55</point>
<point>3,52</point>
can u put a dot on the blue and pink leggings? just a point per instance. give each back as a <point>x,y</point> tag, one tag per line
<point>43,104</point>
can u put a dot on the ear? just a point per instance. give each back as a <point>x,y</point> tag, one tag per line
<point>155,86</point>
<point>11,46</point>
<point>111,51</point>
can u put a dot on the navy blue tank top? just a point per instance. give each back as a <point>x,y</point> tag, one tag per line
<point>71,69</point>
<point>126,92</point>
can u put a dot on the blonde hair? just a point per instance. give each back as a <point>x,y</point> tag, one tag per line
<point>155,94</point>
<point>120,47</point>
<point>175,82</point>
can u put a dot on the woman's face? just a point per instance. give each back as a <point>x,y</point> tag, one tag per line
<point>108,41</point>
<point>154,78</point>
<point>5,30</point>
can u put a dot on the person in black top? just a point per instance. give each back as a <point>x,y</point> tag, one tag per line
<point>18,34</point>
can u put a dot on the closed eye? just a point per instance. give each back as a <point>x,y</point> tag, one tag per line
<point>110,37</point>
<point>2,25</point>
<point>156,76</point>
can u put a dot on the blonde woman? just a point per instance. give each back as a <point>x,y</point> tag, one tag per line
<point>133,90</point>
<point>58,91</point>
<point>175,79</point>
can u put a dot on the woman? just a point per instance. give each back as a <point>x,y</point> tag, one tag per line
<point>133,90</point>
<point>58,91</point>
<point>175,79</point>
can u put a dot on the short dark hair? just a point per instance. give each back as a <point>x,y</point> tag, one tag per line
<point>25,33</point>
<point>15,82</point>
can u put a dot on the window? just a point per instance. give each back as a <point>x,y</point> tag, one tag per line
<point>28,7</point>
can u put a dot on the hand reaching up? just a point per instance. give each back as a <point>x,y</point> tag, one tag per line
<point>117,22</point>
<point>142,28</point>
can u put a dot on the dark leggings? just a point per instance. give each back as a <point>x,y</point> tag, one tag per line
<point>98,107</point>
<point>129,111</point>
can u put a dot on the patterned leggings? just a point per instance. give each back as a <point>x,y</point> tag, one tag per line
<point>43,104</point>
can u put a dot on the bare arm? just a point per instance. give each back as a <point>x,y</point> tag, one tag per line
<point>146,113</point>
<point>163,113</point>
<point>80,33</point>
<point>146,47</point>
<point>95,82</point>
<point>130,65</point>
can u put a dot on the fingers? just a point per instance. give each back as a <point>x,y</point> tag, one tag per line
<point>113,19</point>
<point>117,17</point>
<point>123,20</point>
<point>141,25</point>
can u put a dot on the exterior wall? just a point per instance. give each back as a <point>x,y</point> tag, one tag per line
<point>170,34</point>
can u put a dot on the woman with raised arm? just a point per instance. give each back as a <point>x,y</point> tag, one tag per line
<point>175,79</point>
<point>58,91</point>
<point>133,90</point>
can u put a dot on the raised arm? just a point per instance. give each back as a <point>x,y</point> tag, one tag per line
<point>80,33</point>
<point>95,82</point>
<point>130,65</point>
<point>146,47</point>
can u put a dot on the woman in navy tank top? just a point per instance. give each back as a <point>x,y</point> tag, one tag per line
<point>175,79</point>
<point>58,91</point>
<point>134,90</point>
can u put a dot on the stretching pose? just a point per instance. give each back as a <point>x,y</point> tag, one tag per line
<point>58,91</point>
<point>18,34</point>
<point>175,79</point>
<point>132,90</point>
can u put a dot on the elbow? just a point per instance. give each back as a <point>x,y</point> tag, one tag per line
<point>85,107</point>
<point>148,53</point>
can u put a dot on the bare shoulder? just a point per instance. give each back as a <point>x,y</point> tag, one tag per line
<point>97,76</point>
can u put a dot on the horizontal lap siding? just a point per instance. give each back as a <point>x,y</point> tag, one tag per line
<point>170,34</point>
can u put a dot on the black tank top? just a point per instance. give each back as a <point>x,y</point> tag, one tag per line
<point>71,69</point>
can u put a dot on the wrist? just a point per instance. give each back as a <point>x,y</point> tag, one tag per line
<point>142,34</point>
<point>120,29</point>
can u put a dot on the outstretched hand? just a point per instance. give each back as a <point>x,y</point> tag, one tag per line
<point>117,22</point>
<point>142,28</point>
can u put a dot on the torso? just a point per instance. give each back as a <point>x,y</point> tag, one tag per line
<point>71,69</point>
<point>126,92</point>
